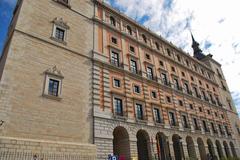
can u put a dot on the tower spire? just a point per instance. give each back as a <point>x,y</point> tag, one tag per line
<point>196,50</point>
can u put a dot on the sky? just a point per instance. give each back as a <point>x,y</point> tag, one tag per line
<point>215,25</point>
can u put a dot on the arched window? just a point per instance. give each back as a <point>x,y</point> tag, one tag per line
<point>129,30</point>
<point>112,21</point>
<point>144,38</point>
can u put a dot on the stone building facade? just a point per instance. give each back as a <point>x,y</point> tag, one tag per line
<point>79,80</point>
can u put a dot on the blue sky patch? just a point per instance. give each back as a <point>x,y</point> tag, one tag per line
<point>207,45</point>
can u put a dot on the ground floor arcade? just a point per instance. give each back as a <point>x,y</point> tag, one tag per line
<point>144,142</point>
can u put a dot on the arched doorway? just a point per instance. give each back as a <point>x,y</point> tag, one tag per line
<point>191,148</point>
<point>226,149</point>
<point>121,146</point>
<point>201,149</point>
<point>177,147</point>
<point>211,148</point>
<point>233,149</point>
<point>143,145</point>
<point>162,147</point>
<point>219,149</point>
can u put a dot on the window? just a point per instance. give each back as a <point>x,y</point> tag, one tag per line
<point>133,66</point>
<point>191,106</point>
<point>213,89</point>
<point>178,58</point>
<point>60,34</point>
<point>168,52</point>
<point>168,99</point>
<point>220,129</point>
<point>205,126</point>
<point>173,69</point>
<point>187,63</point>
<point>200,82</point>
<point>144,38</point>
<point>118,106</point>
<point>112,21</point>
<point>200,109</point>
<point>154,94</point>
<point>196,91</point>
<point>59,30</point>
<point>53,83</point>
<point>161,63</point>
<point>115,58</point>
<point>149,73</point>
<point>227,131</point>
<point>157,46</point>
<point>213,128</point>
<point>180,102</point>
<point>202,71</point>
<point>185,121</point>
<point>53,87</point>
<point>216,114</point>
<point>186,88</point>
<point>229,104</point>
<point>208,111</point>
<point>116,83</point>
<point>114,40</point>
<point>183,74</point>
<point>204,95</point>
<point>176,84</point>
<point>192,78</point>
<point>222,116</point>
<point>195,122</point>
<point>129,30</point>
<point>207,86</point>
<point>172,120</point>
<point>64,2</point>
<point>136,89</point>
<point>139,111</point>
<point>164,78</point>
<point>195,67</point>
<point>157,115</point>
<point>147,56</point>
<point>132,49</point>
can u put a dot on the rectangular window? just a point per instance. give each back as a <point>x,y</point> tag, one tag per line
<point>161,63</point>
<point>118,106</point>
<point>115,58</point>
<point>186,88</point>
<point>172,120</point>
<point>168,99</point>
<point>147,56</point>
<point>213,128</point>
<point>149,73</point>
<point>185,121</point>
<point>53,87</point>
<point>59,34</point>
<point>180,102</point>
<point>164,78</point>
<point>195,124</point>
<point>133,66</point>
<point>114,40</point>
<point>117,83</point>
<point>157,115</point>
<point>132,49</point>
<point>139,110</point>
<point>205,126</point>
<point>154,94</point>
<point>176,84</point>
<point>136,89</point>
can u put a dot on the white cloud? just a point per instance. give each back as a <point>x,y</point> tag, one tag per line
<point>213,21</point>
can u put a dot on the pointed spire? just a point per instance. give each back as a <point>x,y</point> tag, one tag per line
<point>196,50</point>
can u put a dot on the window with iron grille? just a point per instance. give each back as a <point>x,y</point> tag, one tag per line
<point>164,78</point>
<point>157,115</point>
<point>172,119</point>
<point>149,73</point>
<point>185,121</point>
<point>53,87</point>
<point>133,66</point>
<point>118,105</point>
<point>115,58</point>
<point>139,111</point>
<point>59,34</point>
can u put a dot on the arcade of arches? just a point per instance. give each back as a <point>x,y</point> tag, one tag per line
<point>163,147</point>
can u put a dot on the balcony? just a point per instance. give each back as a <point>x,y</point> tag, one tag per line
<point>138,72</point>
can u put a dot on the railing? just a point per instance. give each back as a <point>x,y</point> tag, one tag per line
<point>117,64</point>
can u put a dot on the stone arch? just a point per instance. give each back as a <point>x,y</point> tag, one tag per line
<point>191,148</point>
<point>121,144</point>
<point>211,148</point>
<point>143,145</point>
<point>226,149</point>
<point>178,147</point>
<point>219,149</point>
<point>234,154</point>
<point>163,149</point>
<point>201,148</point>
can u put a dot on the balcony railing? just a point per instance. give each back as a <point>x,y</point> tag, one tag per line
<point>117,64</point>
<point>197,128</point>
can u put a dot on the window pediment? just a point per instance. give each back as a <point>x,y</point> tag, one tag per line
<point>61,23</point>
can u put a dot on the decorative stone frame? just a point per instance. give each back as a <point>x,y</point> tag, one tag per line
<point>143,109</point>
<point>160,113</point>
<point>55,74</point>
<point>123,106</point>
<point>59,23</point>
<point>63,3</point>
<point>113,82</point>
